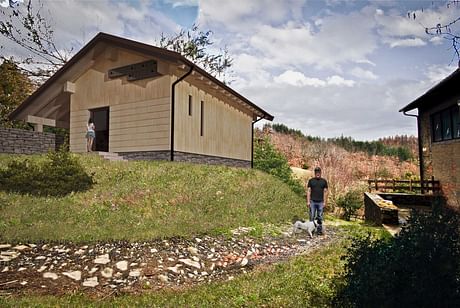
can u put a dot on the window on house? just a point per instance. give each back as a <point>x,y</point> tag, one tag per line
<point>456,122</point>
<point>201,118</point>
<point>445,124</point>
<point>437,129</point>
<point>189,105</point>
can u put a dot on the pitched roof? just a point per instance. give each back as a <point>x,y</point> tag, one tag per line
<point>448,87</point>
<point>139,47</point>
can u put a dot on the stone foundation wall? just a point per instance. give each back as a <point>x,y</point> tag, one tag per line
<point>20,141</point>
<point>147,155</point>
<point>211,160</point>
<point>186,157</point>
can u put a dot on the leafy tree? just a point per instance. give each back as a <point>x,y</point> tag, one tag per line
<point>418,268</point>
<point>350,202</point>
<point>270,160</point>
<point>15,86</point>
<point>194,44</point>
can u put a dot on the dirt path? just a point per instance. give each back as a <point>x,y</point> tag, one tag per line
<point>124,267</point>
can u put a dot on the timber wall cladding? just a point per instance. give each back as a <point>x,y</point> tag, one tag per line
<point>226,130</point>
<point>139,110</point>
<point>13,140</point>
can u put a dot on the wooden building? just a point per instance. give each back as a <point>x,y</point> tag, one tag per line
<point>141,98</point>
<point>438,122</point>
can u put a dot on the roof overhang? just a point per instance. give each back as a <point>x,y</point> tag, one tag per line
<point>54,87</point>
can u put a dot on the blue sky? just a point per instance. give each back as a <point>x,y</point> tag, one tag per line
<point>326,67</point>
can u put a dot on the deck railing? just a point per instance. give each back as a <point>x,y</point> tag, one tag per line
<point>429,186</point>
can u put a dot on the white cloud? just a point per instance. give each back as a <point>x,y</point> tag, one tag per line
<point>436,73</point>
<point>298,79</point>
<point>437,40</point>
<point>363,74</point>
<point>339,81</point>
<point>410,42</point>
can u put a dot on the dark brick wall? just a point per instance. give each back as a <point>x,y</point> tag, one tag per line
<point>442,159</point>
<point>13,140</point>
<point>186,157</point>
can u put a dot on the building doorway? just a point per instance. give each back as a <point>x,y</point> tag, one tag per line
<point>100,118</point>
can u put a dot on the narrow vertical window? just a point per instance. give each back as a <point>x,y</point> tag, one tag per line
<point>202,118</point>
<point>189,105</point>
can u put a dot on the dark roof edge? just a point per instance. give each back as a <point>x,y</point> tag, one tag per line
<point>133,45</point>
<point>416,103</point>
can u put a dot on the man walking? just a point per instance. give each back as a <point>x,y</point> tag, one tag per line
<point>317,198</point>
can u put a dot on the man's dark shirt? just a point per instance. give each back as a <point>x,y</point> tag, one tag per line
<point>317,189</point>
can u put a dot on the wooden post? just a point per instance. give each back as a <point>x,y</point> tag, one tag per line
<point>376,185</point>
<point>394,185</point>
<point>410,185</point>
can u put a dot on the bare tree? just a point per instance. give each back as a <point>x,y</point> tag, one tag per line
<point>447,30</point>
<point>27,27</point>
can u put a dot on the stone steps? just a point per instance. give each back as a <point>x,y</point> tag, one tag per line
<point>111,156</point>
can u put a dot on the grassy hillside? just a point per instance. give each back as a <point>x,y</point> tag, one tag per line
<point>145,200</point>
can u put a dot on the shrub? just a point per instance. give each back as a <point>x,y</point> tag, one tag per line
<point>350,202</point>
<point>59,174</point>
<point>418,268</point>
<point>270,160</point>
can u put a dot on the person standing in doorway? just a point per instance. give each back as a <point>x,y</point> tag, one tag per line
<point>90,135</point>
<point>317,198</point>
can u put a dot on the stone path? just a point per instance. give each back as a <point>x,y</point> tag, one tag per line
<point>120,267</point>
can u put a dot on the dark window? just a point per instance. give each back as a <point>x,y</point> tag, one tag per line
<point>189,105</point>
<point>445,124</point>
<point>456,122</point>
<point>437,129</point>
<point>202,118</point>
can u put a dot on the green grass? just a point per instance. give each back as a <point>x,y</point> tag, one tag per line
<point>146,200</point>
<point>303,281</point>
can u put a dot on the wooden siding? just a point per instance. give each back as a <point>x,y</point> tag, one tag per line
<point>139,110</point>
<point>226,130</point>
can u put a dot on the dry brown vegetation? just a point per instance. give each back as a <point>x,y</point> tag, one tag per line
<point>344,170</point>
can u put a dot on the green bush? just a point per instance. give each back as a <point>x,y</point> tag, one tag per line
<point>350,202</point>
<point>59,174</point>
<point>418,268</point>
<point>270,160</point>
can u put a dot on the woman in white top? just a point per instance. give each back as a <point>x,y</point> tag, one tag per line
<point>90,135</point>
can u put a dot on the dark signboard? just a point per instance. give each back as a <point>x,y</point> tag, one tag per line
<point>136,71</point>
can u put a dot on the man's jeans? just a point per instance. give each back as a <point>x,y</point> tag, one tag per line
<point>316,211</point>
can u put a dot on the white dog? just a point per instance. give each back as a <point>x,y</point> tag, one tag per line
<point>309,226</point>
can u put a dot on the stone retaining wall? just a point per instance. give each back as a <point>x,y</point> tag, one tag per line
<point>20,141</point>
<point>186,157</point>
<point>374,213</point>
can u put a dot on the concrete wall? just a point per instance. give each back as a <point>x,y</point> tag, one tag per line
<point>20,141</point>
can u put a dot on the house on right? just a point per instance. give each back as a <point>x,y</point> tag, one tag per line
<point>438,123</point>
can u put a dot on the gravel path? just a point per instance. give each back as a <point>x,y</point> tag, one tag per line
<point>126,267</point>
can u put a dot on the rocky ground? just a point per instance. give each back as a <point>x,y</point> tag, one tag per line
<point>126,267</point>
